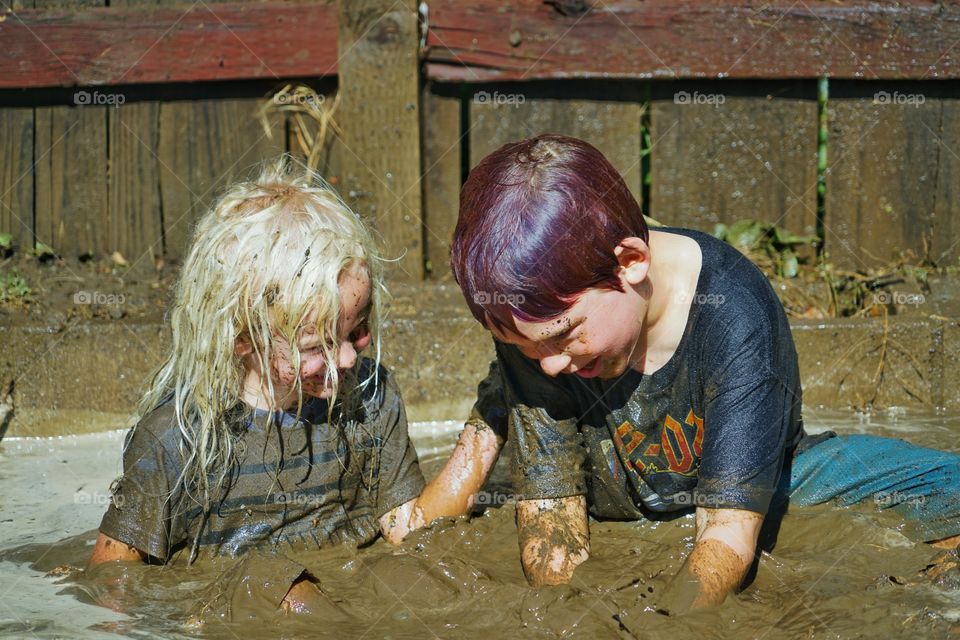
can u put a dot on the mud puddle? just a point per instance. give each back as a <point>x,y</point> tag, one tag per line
<point>835,573</point>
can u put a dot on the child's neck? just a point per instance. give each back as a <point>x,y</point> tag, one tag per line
<point>255,396</point>
<point>675,263</point>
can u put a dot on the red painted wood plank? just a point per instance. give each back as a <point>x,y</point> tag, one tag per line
<point>115,46</point>
<point>488,40</point>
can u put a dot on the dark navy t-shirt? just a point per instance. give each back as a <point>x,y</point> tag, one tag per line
<point>711,428</point>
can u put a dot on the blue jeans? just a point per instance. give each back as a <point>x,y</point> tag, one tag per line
<point>922,485</point>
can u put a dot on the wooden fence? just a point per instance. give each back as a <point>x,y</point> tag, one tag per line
<point>119,124</point>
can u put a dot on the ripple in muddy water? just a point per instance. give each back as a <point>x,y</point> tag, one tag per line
<point>834,572</point>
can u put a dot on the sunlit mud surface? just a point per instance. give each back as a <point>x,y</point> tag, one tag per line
<point>834,573</point>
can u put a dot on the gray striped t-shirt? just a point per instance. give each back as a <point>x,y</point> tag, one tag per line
<point>301,483</point>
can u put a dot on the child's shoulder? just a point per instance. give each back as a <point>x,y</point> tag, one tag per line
<point>154,440</point>
<point>378,389</point>
<point>158,425</point>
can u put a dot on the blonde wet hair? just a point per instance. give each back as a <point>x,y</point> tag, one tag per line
<point>270,252</point>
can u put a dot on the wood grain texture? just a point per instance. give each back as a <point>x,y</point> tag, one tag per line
<point>606,115</point>
<point>71,180</point>
<point>57,45</point>
<point>379,114</point>
<point>490,40</point>
<point>945,244</point>
<point>205,145</point>
<point>884,159</point>
<point>16,175</point>
<point>441,175</point>
<point>728,150</point>
<point>136,215</point>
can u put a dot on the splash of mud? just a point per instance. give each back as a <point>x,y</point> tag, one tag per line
<point>833,573</point>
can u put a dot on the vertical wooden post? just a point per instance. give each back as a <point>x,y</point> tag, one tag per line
<point>379,115</point>
<point>16,175</point>
<point>441,179</point>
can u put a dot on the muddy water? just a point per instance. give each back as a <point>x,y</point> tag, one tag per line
<point>834,573</point>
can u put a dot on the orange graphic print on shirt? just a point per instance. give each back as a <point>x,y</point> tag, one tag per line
<point>679,446</point>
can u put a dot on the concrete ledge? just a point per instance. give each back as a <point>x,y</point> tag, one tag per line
<point>85,377</point>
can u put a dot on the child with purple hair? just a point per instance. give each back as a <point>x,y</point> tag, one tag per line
<point>648,371</point>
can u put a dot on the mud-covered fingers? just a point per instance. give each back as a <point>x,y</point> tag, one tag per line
<point>303,597</point>
<point>554,538</point>
<point>399,521</point>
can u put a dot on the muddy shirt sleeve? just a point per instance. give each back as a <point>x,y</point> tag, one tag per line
<point>491,405</point>
<point>140,510</point>
<point>549,454</point>
<point>747,417</point>
<point>400,478</point>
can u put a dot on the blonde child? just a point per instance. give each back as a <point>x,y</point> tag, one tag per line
<point>265,429</point>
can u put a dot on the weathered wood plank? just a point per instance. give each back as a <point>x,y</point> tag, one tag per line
<point>16,175</point>
<point>136,217</point>
<point>71,180</point>
<point>492,40</point>
<point>729,150</point>
<point>205,145</point>
<point>882,177</point>
<point>48,47</point>
<point>379,114</point>
<point>945,247</point>
<point>441,176</point>
<point>605,115</point>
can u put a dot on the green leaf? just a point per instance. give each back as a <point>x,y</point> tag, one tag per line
<point>791,266</point>
<point>784,237</point>
<point>6,241</point>
<point>744,234</point>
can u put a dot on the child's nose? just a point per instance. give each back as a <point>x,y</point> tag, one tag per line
<point>346,355</point>
<point>554,364</point>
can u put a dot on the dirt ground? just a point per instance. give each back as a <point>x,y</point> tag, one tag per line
<point>54,292</point>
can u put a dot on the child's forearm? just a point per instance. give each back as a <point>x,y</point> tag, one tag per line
<point>721,558</point>
<point>454,490</point>
<point>712,571</point>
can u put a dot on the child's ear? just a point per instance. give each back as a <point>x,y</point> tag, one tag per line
<point>242,345</point>
<point>633,254</point>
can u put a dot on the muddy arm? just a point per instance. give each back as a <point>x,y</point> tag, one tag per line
<point>725,548</point>
<point>454,490</point>
<point>107,549</point>
<point>554,538</point>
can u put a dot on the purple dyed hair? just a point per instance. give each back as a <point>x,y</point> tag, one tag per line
<point>539,222</point>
